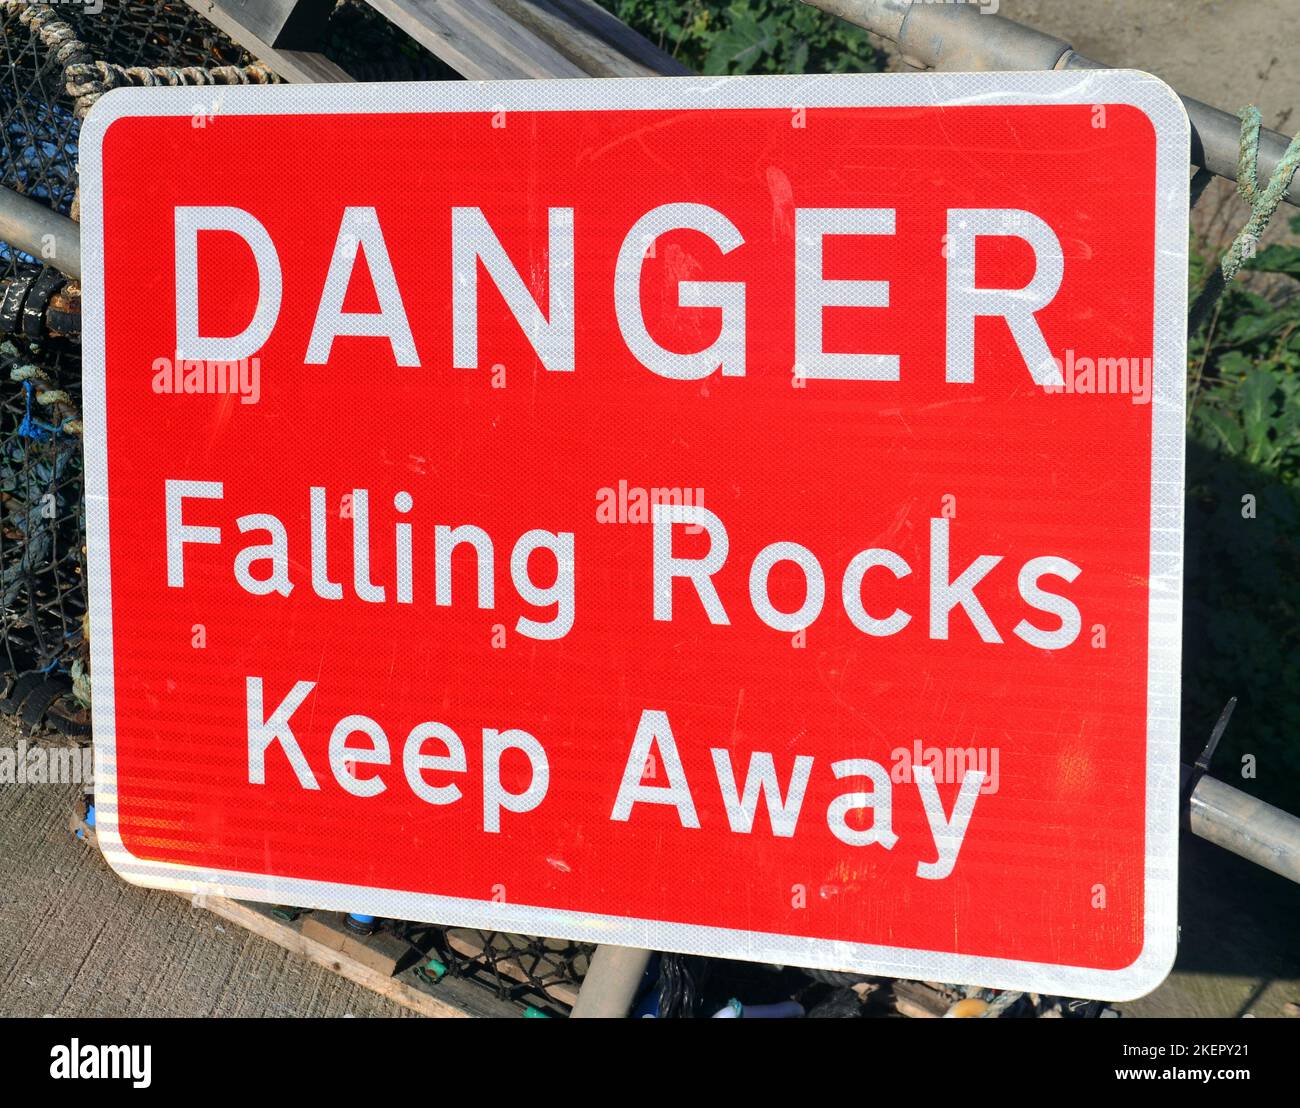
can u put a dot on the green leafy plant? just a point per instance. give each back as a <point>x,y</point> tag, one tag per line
<point>1242,588</point>
<point>750,36</point>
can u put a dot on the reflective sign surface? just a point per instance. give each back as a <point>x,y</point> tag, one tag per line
<point>740,517</point>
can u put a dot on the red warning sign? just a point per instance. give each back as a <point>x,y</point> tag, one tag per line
<point>731,517</point>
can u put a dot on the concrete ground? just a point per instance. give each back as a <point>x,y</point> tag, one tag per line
<point>75,940</point>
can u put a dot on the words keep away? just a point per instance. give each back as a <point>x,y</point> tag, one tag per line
<point>433,747</point>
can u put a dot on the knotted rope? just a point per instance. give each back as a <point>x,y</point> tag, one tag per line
<point>1263,203</point>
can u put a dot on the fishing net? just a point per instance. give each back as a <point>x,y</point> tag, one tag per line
<point>541,973</point>
<point>57,60</point>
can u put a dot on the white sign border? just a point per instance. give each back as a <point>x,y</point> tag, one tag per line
<point>1141,90</point>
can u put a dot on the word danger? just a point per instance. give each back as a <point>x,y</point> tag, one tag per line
<point>264,567</point>
<point>434,748</point>
<point>551,327</point>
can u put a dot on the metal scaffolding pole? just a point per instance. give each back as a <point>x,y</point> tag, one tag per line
<point>610,985</point>
<point>1256,831</point>
<point>962,37</point>
<point>34,229</point>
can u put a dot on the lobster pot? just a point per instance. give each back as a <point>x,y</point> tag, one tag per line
<point>59,59</point>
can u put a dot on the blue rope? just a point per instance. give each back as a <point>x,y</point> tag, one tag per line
<point>33,428</point>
